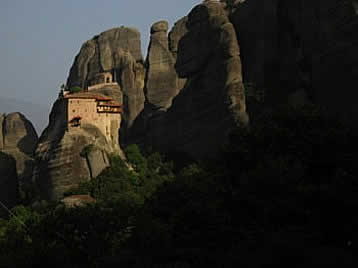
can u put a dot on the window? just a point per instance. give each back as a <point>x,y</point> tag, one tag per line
<point>108,80</point>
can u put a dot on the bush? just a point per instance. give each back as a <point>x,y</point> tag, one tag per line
<point>75,89</point>
<point>87,149</point>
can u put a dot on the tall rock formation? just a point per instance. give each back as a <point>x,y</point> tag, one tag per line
<point>301,47</point>
<point>67,156</point>
<point>212,101</point>
<point>161,79</point>
<point>117,51</point>
<point>18,140</point>
<point>61,161</point>
<point>189,92</point>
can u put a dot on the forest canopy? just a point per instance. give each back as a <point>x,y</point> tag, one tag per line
<point>283,192</point>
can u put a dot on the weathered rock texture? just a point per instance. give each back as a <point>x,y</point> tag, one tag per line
<point>190,91</point>
<point>301,45</point>
<point>63,158</point>
<point>212,101</point>
<point>118,51</point>
<point>61,165</point>
<point>161,80</point>
<point>185,99</point>
<point>18,139</point>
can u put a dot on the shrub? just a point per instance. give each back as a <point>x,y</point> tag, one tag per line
<point>87,149</point>
<point>75,89</point>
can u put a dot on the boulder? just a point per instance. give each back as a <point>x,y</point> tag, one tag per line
<point>77,201</point>
<point>97,161</point>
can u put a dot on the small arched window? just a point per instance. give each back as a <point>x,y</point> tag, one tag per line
<point>108,80</point>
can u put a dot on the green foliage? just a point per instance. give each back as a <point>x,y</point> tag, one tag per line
<point>283,192</point>
<point>87,149</point>
<point>75,89</point>
<point>287,185</point>
<point>128,184</point>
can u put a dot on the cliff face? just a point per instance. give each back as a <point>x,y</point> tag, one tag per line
<point>66,156</point>
<point>61,163</point>
<point>161,78</point>
<point>301,47</point>
<point>184,98</point>
<point>18,140</point>
<point>189,92</point>
<point>118,51</point>
<point>208,67</point>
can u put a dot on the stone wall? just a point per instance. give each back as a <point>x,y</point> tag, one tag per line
<point>107,123</point>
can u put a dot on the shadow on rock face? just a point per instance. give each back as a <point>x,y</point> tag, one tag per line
<point>9,185</point>
<point>202,40</point>
<point>28,143</point>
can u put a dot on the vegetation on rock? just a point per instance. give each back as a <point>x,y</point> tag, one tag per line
<point>75,89</point>
<point>283,192</point>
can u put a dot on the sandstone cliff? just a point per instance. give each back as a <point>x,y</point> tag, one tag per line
<point>18,140</point>
<point>300,48</point>
<point>66,156</point>
<point>61,163</point>
<point>119,51</point>
<point>184,98</point>
<point>212,100</point>
<point>161,78</point>
<point>189,92</point>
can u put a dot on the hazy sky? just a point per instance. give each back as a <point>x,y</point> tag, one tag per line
<point>40,38</point>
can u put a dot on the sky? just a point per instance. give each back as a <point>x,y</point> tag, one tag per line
<point>40,39</point>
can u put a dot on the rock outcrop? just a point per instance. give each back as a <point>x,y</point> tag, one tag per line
<point>189,92</point>
<point>66,156</point>
<point>301,46</point>
<point>212,101</point>
<point>161,79</point>
<point>61,164</point>
<point>18,139</point>
<point>117,51</point>
<point>185,98</point>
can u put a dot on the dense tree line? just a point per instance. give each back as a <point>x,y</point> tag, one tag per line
<point>283,192</point>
